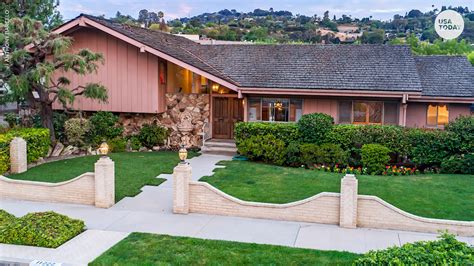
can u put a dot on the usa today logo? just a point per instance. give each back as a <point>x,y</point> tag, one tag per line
<point>449,24</point>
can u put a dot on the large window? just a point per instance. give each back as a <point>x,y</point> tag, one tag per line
<point>437,115</point>
<point>368,112</point>
<point>274,109</point>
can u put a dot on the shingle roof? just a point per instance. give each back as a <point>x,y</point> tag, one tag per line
<point>450,76</point>
<point>351,67</point>
<point>341,67</point>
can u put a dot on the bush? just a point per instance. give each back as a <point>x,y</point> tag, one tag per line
<point>266,148</point>
<point>117,144</point>
<point>42,229</point>
<point>104,126</point>
<point>375,157</point>
<point>5,218</point>
<point>76,130</point>
<point>445,251</point>
<point>135,143</point>
<point>37,144</point>
<point>459,164</point>
<point>12,119</point>
<point>314,127</point>
<point>152,135</point>
<point>293,154</point>
<point>463,128</point>
<point>58,124</point>
<point>326,154</point>
<point>288,132</point>
<point>431,146</point>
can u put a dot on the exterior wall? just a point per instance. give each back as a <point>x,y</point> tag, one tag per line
<point>416,113</point>
<point>315,105</point>
<point>376,213</point>
<point>322,208</point>
<point>78,190</point>
<point>130,76</point>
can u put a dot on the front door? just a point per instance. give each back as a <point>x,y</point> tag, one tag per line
<point>226,111</point>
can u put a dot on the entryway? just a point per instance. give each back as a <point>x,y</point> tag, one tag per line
<point>226,111</point>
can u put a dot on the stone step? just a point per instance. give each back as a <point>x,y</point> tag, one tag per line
<point>224,144</point>
<point>218,150</point>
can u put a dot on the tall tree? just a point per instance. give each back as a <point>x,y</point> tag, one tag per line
<point>42,10</point>
<point>33,69</point>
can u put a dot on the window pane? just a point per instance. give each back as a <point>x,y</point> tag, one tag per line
<point>443,114</point>
<point>431,119</point>
<point>390,113</point>
<point>266,110</point>
<point>345,109</point>
<point>254,109</point>
<point>280,110</point>
<point>360,112</point>
<point>375,112</point>
<point>296,109</point>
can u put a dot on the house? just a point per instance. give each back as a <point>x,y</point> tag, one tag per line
<point>201,91</point>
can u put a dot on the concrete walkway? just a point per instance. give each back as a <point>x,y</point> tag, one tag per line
<point>151,211</point>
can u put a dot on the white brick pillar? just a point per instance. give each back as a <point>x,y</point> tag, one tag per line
<point>348,204</point>
<point>181,176</point>
<point>18,156</point>
<point>104,174</point>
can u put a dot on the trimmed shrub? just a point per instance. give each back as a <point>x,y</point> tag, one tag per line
<point>331,154</point>
<point>459,164</point>
<point>293,154</point>
<point>266,148</point>
<point>309,153</point>
<point>152,135</point>
<point>463,128</point>
<point>375,157</point>
<point>5,218</point>
<point>76,130</point>
<point>41,229</point>
<point>445,251</point>
<point>135,143</point>
<point>314,127</point>
<point>431,146</point>
<point>37,144</point>
<point>117,144</point>
<point>104,126</point>
<point>288,132</point>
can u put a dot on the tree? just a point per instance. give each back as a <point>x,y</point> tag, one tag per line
<point>42,10</point>
<point>372,37</point>
<point>33,68</point>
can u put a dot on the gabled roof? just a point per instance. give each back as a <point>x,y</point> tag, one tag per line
<point>365,68</point>
<point>447,76</point>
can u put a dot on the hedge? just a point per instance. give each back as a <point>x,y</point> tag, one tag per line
<point>37,144</point>
<point>41,229</point>
<point>287,132</point>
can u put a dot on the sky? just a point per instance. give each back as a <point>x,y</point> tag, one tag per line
<point>379,9</point>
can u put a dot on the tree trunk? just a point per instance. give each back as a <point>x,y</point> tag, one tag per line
<point>47,119</point>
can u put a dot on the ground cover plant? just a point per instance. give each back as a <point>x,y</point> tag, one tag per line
<point>41,229</point>
<point>443,196</point>
<point>133,170</point>
<point>151,249</point>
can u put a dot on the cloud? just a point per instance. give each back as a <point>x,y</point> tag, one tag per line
<point>390,10</point>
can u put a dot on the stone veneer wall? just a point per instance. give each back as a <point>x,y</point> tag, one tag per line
<point>180,108</point>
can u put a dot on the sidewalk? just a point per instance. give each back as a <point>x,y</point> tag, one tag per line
<point>151,211</point>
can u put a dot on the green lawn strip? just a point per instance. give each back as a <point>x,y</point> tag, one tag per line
<point>133,170</point>
<point>444,196</point>
<point>151,249</point>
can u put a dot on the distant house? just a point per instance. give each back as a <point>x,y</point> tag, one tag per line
<point>208,88</point>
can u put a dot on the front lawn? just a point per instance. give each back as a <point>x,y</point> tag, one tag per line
<point>151,249</point>
<point>444,196</point>
<point>133,170</point>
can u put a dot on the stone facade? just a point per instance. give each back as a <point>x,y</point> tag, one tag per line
<point>187,118</point>
<point>348,209</point>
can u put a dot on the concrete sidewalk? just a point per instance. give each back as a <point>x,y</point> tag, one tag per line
<point>151,211</point>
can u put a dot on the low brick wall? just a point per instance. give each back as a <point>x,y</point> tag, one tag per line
<point>79,190</point>
<point>321,208</point>
<point>374,212</point>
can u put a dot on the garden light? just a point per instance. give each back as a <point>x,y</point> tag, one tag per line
<point>183,154</point>
<point>104,149</point>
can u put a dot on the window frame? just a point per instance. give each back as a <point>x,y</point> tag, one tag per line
<point>289,99</point>
<point>437,125</point>
<point>367,114</point>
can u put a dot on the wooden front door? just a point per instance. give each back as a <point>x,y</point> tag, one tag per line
<point>226,111</point>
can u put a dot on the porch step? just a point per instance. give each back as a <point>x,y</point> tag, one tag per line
<point>219,146</point>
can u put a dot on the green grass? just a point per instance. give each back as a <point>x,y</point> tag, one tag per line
<point>444,196</point>
<point>151,249</point>
<point>133,170</point>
